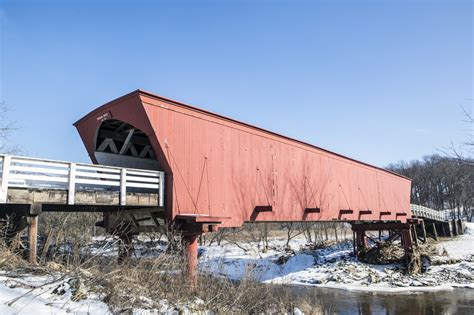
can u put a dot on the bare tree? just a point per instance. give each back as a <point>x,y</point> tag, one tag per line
<point>465,152</point>
<point>440,182</point>
<point>6,128</point>
<point>292,231</point>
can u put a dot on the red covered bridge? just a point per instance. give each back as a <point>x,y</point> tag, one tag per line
<point>218,172</point>
<point>231,172</point>
<point>223,172</point>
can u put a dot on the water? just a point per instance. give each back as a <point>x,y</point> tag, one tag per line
<point>459,301</point>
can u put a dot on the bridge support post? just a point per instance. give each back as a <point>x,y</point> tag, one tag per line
<point>415,234</point>
<point>454,226</point>
<point>423,230</point>
<point>190,241</point>
<point>32,238</point>
<point>443,229</point>
<point>435,232</point>
<point>360,242</point>
<point>394,228</point>
<point>407,244</point>
<point>460,227</point>
<point>191,227</point>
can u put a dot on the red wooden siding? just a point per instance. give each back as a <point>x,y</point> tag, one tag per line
<point>221,167</point>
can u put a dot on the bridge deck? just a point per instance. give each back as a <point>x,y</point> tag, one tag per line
<point>63,186</point>
<point>428,213</point>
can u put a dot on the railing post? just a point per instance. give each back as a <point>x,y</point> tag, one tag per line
<point>71,193</point>
<point>123,187</point>
<point>5,177</point>
<point>161,191</point>
<point>32,238</point>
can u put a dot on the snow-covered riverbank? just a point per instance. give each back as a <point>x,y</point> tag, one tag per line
<point>329,267</point>
<point>334,267</point>
<point>52,296</point>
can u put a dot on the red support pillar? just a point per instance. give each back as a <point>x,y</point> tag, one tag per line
<point>191,254</point>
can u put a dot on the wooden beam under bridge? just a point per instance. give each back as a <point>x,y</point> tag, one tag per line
<point>404,229</point>
<point>380,226</point>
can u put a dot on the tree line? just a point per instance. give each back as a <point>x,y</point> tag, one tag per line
<point>440,182</point>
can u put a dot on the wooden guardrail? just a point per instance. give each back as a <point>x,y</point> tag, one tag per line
<point>40,174</point>
<point>428,213</point>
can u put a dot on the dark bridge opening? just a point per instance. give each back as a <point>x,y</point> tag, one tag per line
<point>121,144</point>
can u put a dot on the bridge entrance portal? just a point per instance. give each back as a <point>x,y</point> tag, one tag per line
<point>120,144</point>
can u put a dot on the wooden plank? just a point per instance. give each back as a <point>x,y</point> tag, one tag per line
<point>20,209</point>
<point>28,196</point>
<point>135,222</point>
<point>142,179</point>
<point>33,169</point>
<point>33,161</point>
<point>97,182</point>
<point>127,141</point>
<point>41,178</point>
<point>144,151</point>
<point>94,208</point>
<point>107,169</point>
<point>123,187</point>
<point>143,173</point>
<point>140,185</point>
<point>263,209</point>
<point>161,193</point>
<point>121,137</point>
<point>423,231</point>
<point>71,192</point>
<point>108,143</point>
<point>346,211</point>
<point>40,181</point>
<point>415,234</point>
<point>435,232</point>
<point>155,219</point>
<point>380,226</point>
<point>201,218</point>
<point>98,175</point>
<point>133,150</point>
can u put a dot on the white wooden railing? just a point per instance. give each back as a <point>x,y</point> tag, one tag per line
<point>428,213</point>
<point>33,173</point>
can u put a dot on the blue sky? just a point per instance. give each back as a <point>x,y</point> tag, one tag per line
<point>379,81</point>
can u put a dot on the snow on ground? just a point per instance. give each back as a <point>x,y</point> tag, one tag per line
<point>331,267</point>
<point>462,245</point>
<point>58,294</point>
<point>334,267</point>
<point>17,296</point>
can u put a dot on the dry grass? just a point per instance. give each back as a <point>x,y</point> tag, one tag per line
<point>10,260</point>
<point>143,282</point>
<point>389,252</point>
<point>383,253</point>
